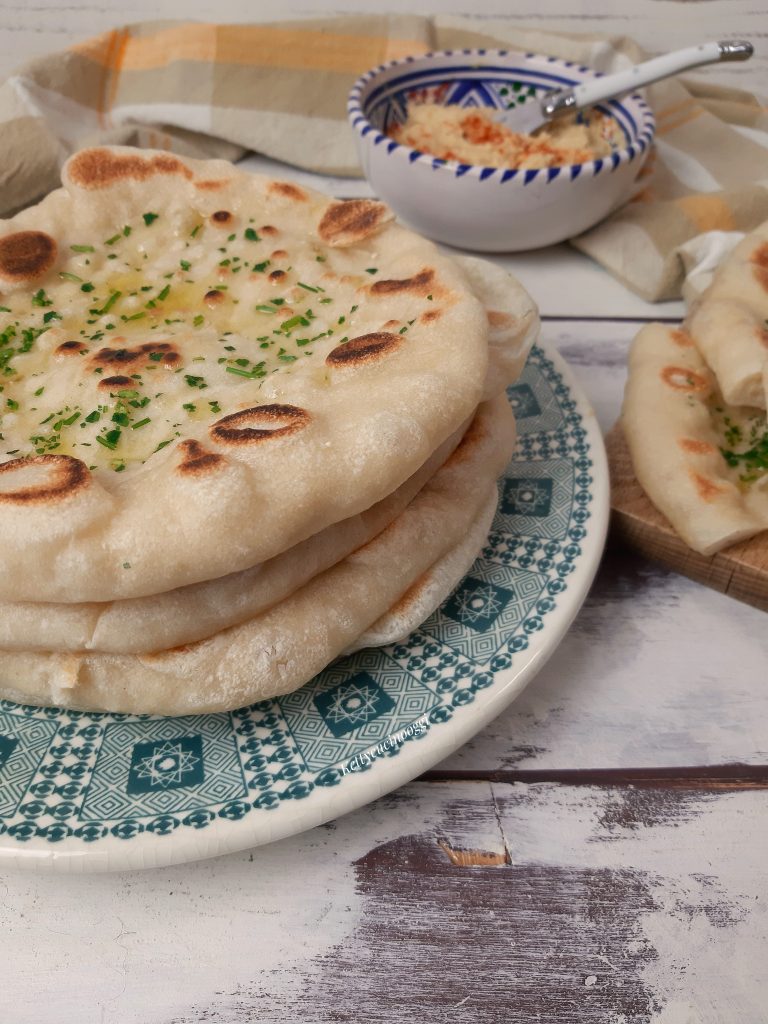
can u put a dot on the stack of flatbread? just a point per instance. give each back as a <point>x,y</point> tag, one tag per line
<point>695,407</point>
<point>245,428</point>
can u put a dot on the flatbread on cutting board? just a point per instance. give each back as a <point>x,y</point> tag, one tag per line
<point>702,462</point>
<point>281,649</point>
<point>203,367</point>
<point>729,324</point>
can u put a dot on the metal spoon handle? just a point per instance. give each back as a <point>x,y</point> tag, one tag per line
<point>561,101</point>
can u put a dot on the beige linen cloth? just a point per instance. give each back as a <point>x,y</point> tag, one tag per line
<point>280,89</point>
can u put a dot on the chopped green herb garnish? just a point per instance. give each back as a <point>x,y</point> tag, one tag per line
<point>185,264</point>
<point>195,382</point>
<point>198,320</point>
<point>163,295</point>
<point>194,231</point>
<point>50,315</point>
<point>41,299</point>
<point>11,403</point>
<point>141,423</point>
<point>113,239</point>
<point>93,417</point>
<point>215,407</point>
<point>371,270</point>
<point>189,406</point>
<point>310,288</point>
<point>150,218</point>
<point>156,356</point>
<point>252,235</point>
<point>64,275</point>
<point>82,248</point>
<point>87,287</point>
<point>261,267</point>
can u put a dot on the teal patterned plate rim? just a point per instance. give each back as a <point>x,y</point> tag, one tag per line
<point>100,792</point>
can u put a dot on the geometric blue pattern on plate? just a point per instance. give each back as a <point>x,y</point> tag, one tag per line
<point>538,499</point>
<point>347,710</point>
<point>88,781</point>
<point>150,766</point>
<point>23,744</point>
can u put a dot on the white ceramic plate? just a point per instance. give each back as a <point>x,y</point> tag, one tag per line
<point>96,792</point>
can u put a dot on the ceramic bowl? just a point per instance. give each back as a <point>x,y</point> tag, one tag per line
<point>485,208</point>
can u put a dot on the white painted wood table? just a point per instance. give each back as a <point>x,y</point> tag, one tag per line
<point>597,854</point>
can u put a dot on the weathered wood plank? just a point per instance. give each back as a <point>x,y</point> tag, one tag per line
<point>656,670</point>
<point>461,902</point>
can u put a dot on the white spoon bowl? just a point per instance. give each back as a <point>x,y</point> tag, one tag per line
<point>484,208</point>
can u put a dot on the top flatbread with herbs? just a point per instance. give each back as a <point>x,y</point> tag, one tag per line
<point>202,367</point>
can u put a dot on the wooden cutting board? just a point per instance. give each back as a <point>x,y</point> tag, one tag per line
<point>741,571</point>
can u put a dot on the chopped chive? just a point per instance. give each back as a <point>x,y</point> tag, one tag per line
<point>141,423</point>
<point>127,230</point>
<point>87,287</point>
<point>69,277</point>
<point>164,293</point>
<point>185,264</point>
<point>134,316</point>
<point>149,218</point>
<point>198,320</point>
<point>82,248</point>
<point>113,239</point>
<point>194,231</point>
<point>310,288</point>
<point>371,270</point>
<point>261,267</point>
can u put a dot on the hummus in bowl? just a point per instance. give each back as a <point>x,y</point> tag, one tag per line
<point>472,136</point>
<point>446,172</point>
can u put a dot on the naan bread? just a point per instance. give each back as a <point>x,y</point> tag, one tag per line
<point>278,651</point>
<point>729,325</point>
<point>429,592</point>
<point>704,464</point>
<point>513,320</point>
<point>187,614</point>
<point>197,611</point>
<point>204,367</point>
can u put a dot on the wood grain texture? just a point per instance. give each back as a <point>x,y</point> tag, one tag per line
<point>741,571</point>
<point>597,905</point>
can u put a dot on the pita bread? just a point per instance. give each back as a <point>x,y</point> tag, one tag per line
<point>729,325</point>
<point>281,649</point>
<point>187,614</point>
<point>690,450</point>
<point>148,449</point>
<point>428,593</point>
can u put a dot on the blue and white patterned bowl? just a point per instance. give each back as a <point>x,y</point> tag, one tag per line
<point>485,208</point>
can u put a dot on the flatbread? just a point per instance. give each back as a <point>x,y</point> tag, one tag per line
<point>278,651</point>
<point>146,449</point>
<point>513,320</point>
<point>729,324</point>
<point>678,427</point>
<point>428,593</point>
<point>187,614</point>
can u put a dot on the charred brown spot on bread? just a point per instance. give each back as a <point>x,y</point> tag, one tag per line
<point>391,325</point>
<point>759,262</point>
<point>70,348</point>
<point>682,379</point>
<point>430,316</point>
<point>196,460</point>
<point>706,488</point>
<point>213,297</point>
<point>222,218</point>
<point>279,254</point>
<point>351,220</point>
<point>116,382</point>
<point>25,255</point>
<point>277,275</point>
<point>268,229</point>
<point>163,351</point>
<point>420,284</point>
<point>100,168</point>
<point>498,318</point>
<point>681,338</point>
<point>696,447</point>
<point>366,348</point>
<point>210,184</point>
<point>261,423</point>
<point>288,191</point>
<point>62,477</point>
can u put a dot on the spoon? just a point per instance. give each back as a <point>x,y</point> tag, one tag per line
<point>527,117</point>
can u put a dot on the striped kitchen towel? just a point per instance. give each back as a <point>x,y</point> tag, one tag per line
<point>280,89</point>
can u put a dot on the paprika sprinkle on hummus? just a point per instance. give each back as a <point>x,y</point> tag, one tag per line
<point>472,136</point>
